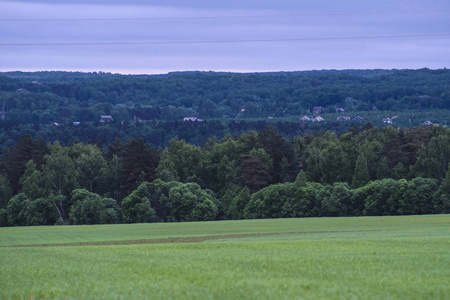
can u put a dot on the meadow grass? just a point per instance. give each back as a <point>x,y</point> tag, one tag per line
<point>319,258</point>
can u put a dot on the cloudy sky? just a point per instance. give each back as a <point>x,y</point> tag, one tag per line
<point>151,37</point>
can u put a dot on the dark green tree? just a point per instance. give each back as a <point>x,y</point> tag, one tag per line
<point>189,202</point>
<point>89,164</point>
<point>442,196</point>
<point>111,178</point>
<point>41,211</point>
<point>239,204</point>
<point>277,148</point>
<point>383,170</point>
<point>15,160</point>
<point>89,208</point>
<point>58,172</point>
<point>304,201</point>
<point>418,198</point>
<point>136,207</point>
<point>138,158</point>
<point>301,179</point>
<point>399,171</point>
<point>32,182</point>
<point>336,164</point>
<point>269,201</point>
<point>382,197</point>
<point>181,162</point>
<point>255,174</point>
<point>421,167</point>
<point>16,208</point>
<point>6,191</point>
<point>336,200</point>
<point>3,218</point>
<point>361,176</point>
<point>439,156</point>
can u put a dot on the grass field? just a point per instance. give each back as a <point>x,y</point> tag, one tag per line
<point>403,257</point>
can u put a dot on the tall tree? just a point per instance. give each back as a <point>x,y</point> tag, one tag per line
<point>442,196</point>
<point>183,161</point>
<point>136,206</point>
<point>418,198</point>
<point>336,164</point>
<point>6,191</point>
<point>139,163</point>
<point>361,176</point>
<point>41,212</point>
<point>439,155</point>
<point>278,148</point>
<point>59,171</point>
<point>32,182</point>
<point>16,158</point>
<point>90,208</point>
<point>16,208</point>
<point>90,166</point>
<point>383,170</point>
<point>59,177</point>
<point>111,179</point>
<point>189,202</point>
<point>255,173</point>
<point>239,203</point>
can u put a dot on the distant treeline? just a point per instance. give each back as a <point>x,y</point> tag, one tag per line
<point>64,97</point>
<point>258,174</point>
<point>158,134</point>
<point>67,106</point>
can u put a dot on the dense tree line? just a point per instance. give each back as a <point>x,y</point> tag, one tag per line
<point>158,134</point>
<point>45,97</point>
<point>258,174</point>
<point>34,101</point>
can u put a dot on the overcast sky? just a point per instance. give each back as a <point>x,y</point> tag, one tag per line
<point>151,37</point>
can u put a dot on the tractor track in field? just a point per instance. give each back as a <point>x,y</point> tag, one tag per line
<point>173,240</point>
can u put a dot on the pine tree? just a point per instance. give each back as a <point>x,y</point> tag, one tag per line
<point>383,170</point>
<point>138,158</point>
<point>442,196</point>
<point>255,174</point>
<point>361,176</point>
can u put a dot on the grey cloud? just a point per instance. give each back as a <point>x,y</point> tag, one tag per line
<point>358,53</point>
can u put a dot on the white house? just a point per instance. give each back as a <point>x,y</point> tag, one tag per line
<point>192,119</point>
<point>106,119</point>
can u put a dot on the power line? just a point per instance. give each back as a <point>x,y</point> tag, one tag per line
<point>227,41</point>
<point>227,17</point>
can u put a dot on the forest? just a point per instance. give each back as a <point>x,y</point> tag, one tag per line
<point>67,106</point>
<point>95,148</point>
<point>368,171</point>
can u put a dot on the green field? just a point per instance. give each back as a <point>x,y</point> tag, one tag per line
<point>403,257</point>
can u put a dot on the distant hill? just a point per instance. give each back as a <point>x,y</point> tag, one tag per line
<point>43,98</point>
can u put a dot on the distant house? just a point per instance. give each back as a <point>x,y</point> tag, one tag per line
<point>192,119</point>
<point>387,120</point>
<point>54,124</point>
<point>427,123</point>
<point>339,109</point>
<point>342,118</point>
<point>305,119</point>
<point>106,119</point>
<point>137,119</point>
<point>357,118</point>
<point>319,119</point>
<point>76,123</point>
<point>317,110</point>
